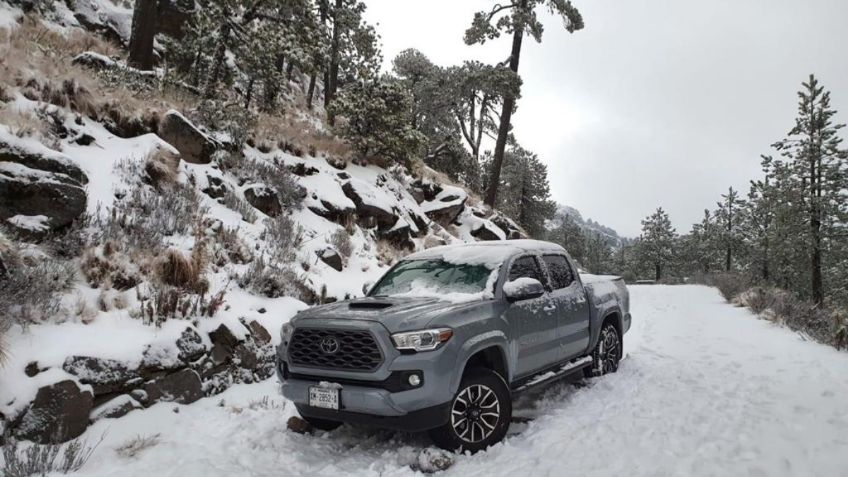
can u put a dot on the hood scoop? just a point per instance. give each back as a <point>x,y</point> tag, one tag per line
<point>369,305</point>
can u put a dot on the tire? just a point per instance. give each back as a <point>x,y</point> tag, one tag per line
<point>607,353</point>
<point>483,400</point>
<point>321,424</point>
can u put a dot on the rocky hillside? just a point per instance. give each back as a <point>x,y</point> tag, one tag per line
<point>148,254</point>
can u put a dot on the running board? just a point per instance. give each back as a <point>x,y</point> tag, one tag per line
<point>554,374</point>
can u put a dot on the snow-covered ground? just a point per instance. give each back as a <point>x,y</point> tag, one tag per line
<point>705,389</point>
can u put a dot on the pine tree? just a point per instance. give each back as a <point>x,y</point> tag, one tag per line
<point>569,234</point>
<point>727,216</point>
<point>813,145</point>
<point>526,192</point>
<point>378,120</point>
<point>656,244</point>
<point>517,18</point>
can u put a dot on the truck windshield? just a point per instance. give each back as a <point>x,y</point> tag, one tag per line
<point>429,277</point>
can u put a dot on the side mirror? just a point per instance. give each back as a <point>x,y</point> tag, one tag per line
<point>523,288</point>
<point>366,287</point>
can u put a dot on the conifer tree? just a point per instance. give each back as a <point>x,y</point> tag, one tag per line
<point>814,147</point>
<point>526,192</point>
<point>516,18</point>
<point>728,218</point>
<point>656,243</point>
<point>143,32</point>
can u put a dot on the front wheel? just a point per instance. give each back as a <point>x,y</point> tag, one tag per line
<point>607,352</point>
<point>480,413</point>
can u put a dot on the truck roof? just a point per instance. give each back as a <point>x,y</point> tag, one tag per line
<point>491,253</point>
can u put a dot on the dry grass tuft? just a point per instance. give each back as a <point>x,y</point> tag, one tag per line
<point>177,270</point>
<point>162,168</point>
<point>296,136</point>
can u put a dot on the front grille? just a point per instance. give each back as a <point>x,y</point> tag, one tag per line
<point>356,350</point>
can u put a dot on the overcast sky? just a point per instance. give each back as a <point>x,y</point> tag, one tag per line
<point>655,102</point>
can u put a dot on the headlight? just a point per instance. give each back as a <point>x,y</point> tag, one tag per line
<point>286,332</point>
<point>424,340</point>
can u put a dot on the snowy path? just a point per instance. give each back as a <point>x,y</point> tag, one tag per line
<point>706,389</point>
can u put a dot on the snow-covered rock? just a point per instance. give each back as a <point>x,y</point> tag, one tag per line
<point>194,145</point>
<point>264,199</point>
<point>60,412</point>
<point>40,189</point>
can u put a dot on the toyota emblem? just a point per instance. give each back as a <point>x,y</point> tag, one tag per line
<point>329,345</point>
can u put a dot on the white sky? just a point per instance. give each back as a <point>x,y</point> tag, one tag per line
<point>655,102</point>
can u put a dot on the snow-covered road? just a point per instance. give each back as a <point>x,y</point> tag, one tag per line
<point>705,389</point>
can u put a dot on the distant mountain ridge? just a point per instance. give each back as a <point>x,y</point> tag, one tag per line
<point>587,225</point>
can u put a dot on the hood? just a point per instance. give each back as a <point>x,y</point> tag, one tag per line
<point>397,313</point>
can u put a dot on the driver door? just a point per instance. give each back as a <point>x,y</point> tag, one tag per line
<point>534,322</point>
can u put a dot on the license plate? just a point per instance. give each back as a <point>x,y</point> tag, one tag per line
<point>326,398</point>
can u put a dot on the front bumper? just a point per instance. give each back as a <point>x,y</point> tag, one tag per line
<point>415,421</point>
<point>379,398</point>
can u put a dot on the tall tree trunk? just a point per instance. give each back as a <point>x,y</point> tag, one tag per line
<point>816,285</point>
<point>658,271</point>
<point>506,116</point>
<point>218,62</point>
<point>143,31</point>
<point>333,73</point>
<point>310,92</point>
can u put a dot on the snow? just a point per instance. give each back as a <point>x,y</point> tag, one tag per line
<point>9,15</point>
<point>705,389</point>
<point>489,254</point>
<point>515,287</point>
<point>35,223</point>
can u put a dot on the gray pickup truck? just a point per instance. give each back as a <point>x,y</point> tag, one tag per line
<point>448,336</point>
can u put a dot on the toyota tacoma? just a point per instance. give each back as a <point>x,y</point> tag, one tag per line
<point>448,336</point>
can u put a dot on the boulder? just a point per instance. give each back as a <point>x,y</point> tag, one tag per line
<point>104,18</point>
<point>264,199</point>
<point>260,333</point>
<point>298,425</point>
<point>246,356</point>
<point>38,157</point>
<point>383,215</point>
<point>302,170</point>
<point>192,143</point>
<point>182,387</point>
<point>486,231</point>
<point>333,212</point>
<point>331,258</point>
<point>509,227</point>
<point>190,346</point>
<point>104,375</point>
<point>115,408</point>
<point>59,413</point>
<point>40,189</point>
<point>445,212</point>
<point>432,460</point>
<point>216,187</point>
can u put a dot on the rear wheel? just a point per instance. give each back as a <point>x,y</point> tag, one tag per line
<point>480,413</point>
<point>607,352</point>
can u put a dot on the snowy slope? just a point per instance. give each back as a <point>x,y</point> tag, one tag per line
<point>705,389</point>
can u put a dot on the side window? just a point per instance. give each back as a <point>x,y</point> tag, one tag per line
<point>525,267</point>
<point>560,271</point>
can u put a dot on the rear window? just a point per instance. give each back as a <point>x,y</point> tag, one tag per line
<point>559,270</point>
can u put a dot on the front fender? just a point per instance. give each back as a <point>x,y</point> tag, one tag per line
<point>472,346</point>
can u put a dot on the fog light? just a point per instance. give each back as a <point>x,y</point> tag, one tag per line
<point>414,380</point>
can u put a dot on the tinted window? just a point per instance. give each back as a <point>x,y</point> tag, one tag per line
<point>559,270</point>
<point>525,267</point>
